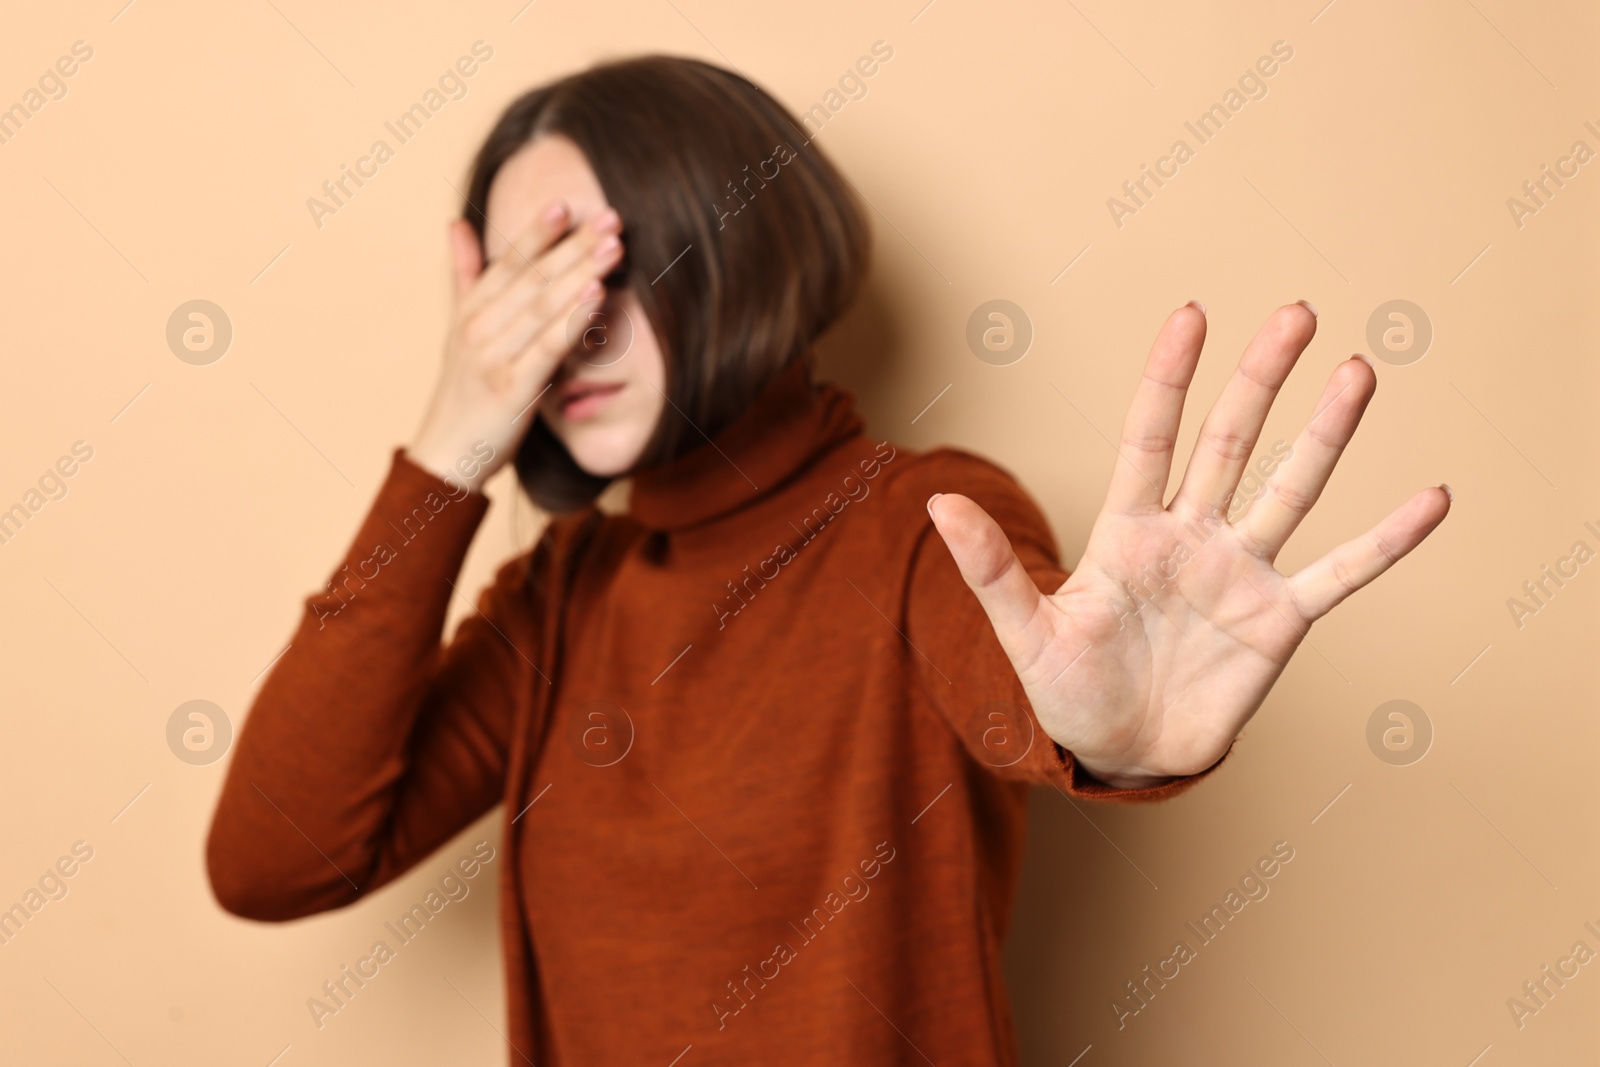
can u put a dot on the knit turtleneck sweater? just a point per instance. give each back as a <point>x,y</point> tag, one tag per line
<point>763,760</point>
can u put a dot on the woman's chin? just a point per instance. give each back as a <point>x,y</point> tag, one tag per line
<point>605,470</point>
<point>604,457</point>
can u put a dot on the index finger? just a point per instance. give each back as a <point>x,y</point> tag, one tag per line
<point>535,238</point>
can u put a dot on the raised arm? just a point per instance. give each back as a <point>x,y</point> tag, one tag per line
<point>370,745</point>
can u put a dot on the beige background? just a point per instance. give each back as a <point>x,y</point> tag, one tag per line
<point>1378,167</point>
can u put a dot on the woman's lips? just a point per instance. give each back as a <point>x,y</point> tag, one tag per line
<point>584,401</point>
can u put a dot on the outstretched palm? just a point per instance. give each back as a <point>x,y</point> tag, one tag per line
<point>1167,637</point>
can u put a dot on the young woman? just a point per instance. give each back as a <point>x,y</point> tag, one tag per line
<point>764,738</point>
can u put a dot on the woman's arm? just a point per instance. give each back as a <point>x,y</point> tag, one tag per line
<point>369,745</point>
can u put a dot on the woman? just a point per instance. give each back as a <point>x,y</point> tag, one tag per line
<point>764,739</point>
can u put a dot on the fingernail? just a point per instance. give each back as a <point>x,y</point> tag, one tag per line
<point>1309,306</point>
<point>1362,356</point>
<point>929,505</point>
<point>591,290</point>
<point>606,247</point>
<point>555,212</point>
<point>1197,305</point>
<point>609,220</point>
<point>1449,492</point>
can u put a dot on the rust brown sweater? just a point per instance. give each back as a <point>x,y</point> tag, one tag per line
<point>763,760</point>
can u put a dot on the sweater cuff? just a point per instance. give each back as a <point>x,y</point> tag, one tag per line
<point>1079,782</point>
<point>414,504</point>
<point>409,484</point>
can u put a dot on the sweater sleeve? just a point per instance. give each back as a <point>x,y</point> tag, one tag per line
<point>960,662</point>
<point>369,744</point>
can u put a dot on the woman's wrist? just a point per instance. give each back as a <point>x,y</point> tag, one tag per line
<point>464,465</point>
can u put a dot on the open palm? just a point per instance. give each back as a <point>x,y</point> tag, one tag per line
<point>1165,640</point>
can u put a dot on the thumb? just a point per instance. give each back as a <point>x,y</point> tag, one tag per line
<point>466,256</point>
<point>987,562</point>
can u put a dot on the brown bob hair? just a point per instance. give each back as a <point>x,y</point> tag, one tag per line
<point>692,155</point>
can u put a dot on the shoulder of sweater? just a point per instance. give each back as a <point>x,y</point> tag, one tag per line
<point>912,476</point>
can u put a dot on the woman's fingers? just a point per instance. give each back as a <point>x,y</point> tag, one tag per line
<point>535,237</point>
<point>990,568</point>
<point>1139,482</point>
<point>578,251</point>
<point>1318,588</point>
<point>466,256</point>
<point>1297,483</point>
<point>1229,434</point>
<point>539,328</point>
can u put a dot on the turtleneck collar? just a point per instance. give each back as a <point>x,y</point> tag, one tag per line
<point>790,423</point>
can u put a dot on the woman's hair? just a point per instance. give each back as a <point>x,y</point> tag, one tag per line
<point>743,242</point>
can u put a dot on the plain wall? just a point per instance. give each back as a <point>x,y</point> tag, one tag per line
<point>1377,167</point>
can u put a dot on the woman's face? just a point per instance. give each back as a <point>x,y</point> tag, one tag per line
<point>606,397</point>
